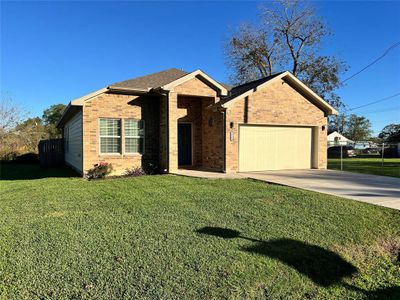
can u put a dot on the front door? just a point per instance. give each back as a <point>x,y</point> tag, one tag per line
<point>184,144</point>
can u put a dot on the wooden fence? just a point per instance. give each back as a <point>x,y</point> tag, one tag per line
<point>51,153</point>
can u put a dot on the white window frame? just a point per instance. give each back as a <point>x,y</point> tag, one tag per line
<point>110,136</point>
<point>135,136</point>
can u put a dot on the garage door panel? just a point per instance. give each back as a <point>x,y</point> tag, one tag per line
<point>274,148</point>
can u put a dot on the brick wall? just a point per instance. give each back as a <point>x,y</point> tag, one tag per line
<point>189,111</point>
<point>207,131</point>
<point>120,106</point>
<point>277,103</point>
<point>213,137</point>
<point>193,87</point>
<point>163,139</point>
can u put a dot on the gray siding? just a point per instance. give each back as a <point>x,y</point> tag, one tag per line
<point>73,142</point>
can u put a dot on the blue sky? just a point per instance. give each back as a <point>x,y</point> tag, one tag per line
<point>53,52</point>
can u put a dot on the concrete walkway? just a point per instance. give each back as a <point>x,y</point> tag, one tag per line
<point>207,174</point>
<point>378,190</point>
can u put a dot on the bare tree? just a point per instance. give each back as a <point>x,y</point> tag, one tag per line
<point>289,37</point>
<point>252,53</point>
<point>10,114</point>
<point>295,24</point>
<point>30,132</point>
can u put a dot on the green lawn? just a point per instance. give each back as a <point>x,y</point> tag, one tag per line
<point>391,166</point>
<point>169,237</point>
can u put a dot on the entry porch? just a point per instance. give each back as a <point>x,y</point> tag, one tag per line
<point>200,134</point>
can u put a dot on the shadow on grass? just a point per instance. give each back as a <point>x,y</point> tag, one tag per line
<point>224,233</point>
<point>13,171</point>
<point>322,266</point>
<point>388,293</point>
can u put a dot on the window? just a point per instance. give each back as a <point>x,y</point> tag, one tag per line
<point>110,136</point>
<point>134,136</point>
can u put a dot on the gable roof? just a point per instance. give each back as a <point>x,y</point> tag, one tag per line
<point>333,134</point>
<point>240,89</point>
<point>168,79</point>
<point>150,81</point>
<point>244,90</point>
<point>200,75</point>
<point>165,79</point>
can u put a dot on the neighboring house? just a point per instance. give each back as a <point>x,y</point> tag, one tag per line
<point>361,145</point>
<point>335,139</point>
<point>177,120</point>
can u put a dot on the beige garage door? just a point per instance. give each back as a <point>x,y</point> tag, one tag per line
<point>274,148</point>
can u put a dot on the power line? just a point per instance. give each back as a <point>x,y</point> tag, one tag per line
<point>373,62</point>
<point>374,102</point>
<point>369,112</point>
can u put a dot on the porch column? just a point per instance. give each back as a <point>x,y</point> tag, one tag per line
<point>173,131</point>
<point>163,136</point>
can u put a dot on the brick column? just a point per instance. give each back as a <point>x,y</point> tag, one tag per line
<point>163,135</point>
<point>172,131</point>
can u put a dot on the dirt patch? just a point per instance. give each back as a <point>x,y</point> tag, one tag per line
<point>391,247</point>
<point>361,253</point>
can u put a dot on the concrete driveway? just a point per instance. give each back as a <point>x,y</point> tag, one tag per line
<point>378,190</point>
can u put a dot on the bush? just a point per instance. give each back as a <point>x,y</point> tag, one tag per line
<point>8,155</point>
<point>28,158</point>
<point>100,170</point>
<point>136,171</point>
<point>152,169</point>
<point>390,151</point>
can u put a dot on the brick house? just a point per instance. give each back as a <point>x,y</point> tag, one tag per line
<point>176,119</point>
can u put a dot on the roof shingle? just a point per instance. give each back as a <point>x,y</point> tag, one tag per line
<point>150,81</point>
<point>243,88</point>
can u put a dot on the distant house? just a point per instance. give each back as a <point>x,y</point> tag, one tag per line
<point>175,119</point>
<point>361,145</point>
<point>335,139</point>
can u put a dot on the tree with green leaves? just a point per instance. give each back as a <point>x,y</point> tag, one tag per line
<point>390,133</point>
<point>50,118</point>
<point>357,128</point>
<point>289,36</point>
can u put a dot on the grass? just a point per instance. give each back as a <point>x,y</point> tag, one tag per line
<point>391,166</point>
<point>169,237</point>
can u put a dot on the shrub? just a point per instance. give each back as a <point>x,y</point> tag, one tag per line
<point>152,169</point>
<point>27,158</point>
<point>8,155</point>
<point>99,170</point>
<point>135,171</point>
